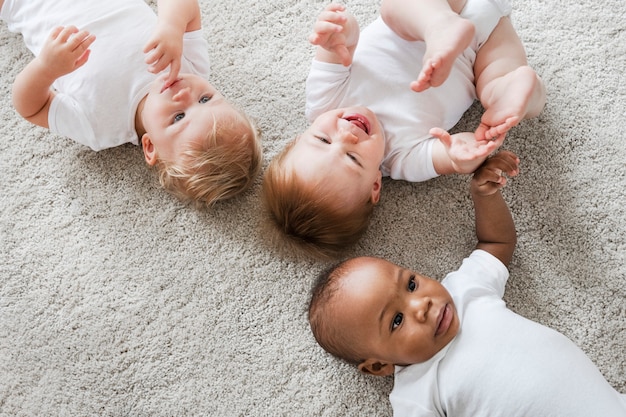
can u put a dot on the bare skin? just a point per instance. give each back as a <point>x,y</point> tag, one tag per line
<point>506,86</point>
<point>367,289</point>
<point>438,24</point>
<point>441,51</point>
<point>336,33</point>
<point>67,49</point>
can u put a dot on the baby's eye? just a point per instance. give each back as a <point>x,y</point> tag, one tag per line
<point>397,320</point>
<point>179,117</point>
<point>412,284</point>
<point>322,139</point>
<point>354,159</point>
<point>204,99</point>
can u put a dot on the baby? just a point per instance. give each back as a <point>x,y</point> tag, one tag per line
<point>374,113</point>
<point>113,90</point>
<point>454,347</point>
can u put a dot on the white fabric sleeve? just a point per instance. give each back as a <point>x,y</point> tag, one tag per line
<point>486,275</point>
<point>406,408</point>
<point>195,53</point>
<point>325,88</point>
<point>66,118</point>
<point>412,163</point>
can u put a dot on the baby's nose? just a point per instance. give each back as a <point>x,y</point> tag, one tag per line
<point>421,307</point>
<point>348,137</point>
<point>183,94</point>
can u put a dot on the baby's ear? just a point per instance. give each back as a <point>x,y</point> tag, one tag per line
<point>376,367</point>
<point>375,198</point>
<point>149,152</point>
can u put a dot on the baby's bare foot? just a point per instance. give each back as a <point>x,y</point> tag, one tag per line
<point>445,41</point>
<point>487,132</point>
<point>508,100</point>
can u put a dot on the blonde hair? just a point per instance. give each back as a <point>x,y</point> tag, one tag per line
<point>220,167</point>
<point>306,216</point>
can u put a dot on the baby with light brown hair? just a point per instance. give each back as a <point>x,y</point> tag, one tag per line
<point>374,112</point>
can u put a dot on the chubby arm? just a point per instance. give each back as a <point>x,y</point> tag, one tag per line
<point>65,50</point>
<point>336,34</point>
<point>495,229</point>
<point>165,46</point>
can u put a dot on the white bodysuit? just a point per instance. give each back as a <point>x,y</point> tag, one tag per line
<point>96,104</point>
<point>382,69</point>
<point>500,363</point>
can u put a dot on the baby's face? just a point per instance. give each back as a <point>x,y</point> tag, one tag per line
<point>344,148</point>
<point>397,316</point>
<point>182,113</point>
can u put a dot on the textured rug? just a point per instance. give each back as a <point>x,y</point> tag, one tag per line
<point>116,299</point>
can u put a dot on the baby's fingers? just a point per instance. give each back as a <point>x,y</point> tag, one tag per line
<point>152,56</point>
<point>81,41</point>
<point>504,162</point>
<point>150,45</point>
<point>333,8</point>
<point>174,70</point>
<point>56,32</point>
<point>507,162</point>
<point>322,31</point>
<point>442,135</point>
<point>72,39</point>
<point>82,59</point>
<point>62,34</point>
<point>486,132</point>
<point>334,17</point>
<point>485,147</point>
<point>329,22</point>
<point>156,61</point>
<point>489,178</point>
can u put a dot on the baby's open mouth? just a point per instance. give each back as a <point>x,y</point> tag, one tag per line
<point>359,121</point>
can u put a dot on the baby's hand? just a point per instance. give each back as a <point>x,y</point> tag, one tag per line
<point>489,177</point>
<point>329,32</point>
<point>465,152</point>
<point>65,50</point>
<point>164,49</point>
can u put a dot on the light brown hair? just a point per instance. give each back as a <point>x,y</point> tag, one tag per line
<point>307,216</point>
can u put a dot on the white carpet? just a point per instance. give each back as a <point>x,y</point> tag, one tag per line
<point>117,300</point>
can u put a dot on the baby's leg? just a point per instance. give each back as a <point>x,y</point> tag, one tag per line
<point>507,87</point>
<point>448,37</point>
<point>438,24</point>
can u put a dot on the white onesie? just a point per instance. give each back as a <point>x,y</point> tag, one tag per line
<point>96,104</point>
<point>382,69</point>
<point>500,363</point>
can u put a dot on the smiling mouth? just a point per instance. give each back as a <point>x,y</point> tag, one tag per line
<point>359,121</point>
